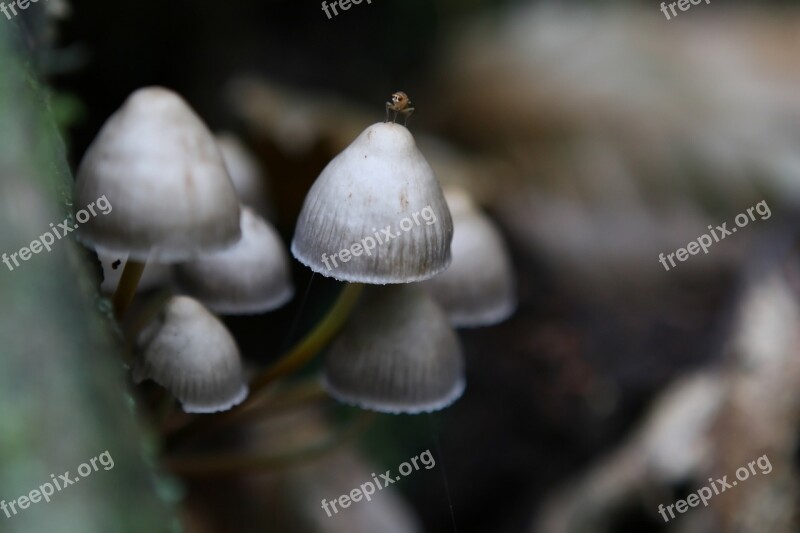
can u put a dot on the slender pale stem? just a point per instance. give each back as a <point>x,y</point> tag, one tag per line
<point>232,463</point>
<point>126,289</point>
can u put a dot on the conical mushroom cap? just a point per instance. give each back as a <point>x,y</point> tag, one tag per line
<point>479,288</point>
<point>397,354</point>
<point>246,174</point>
<point>380,183</point>
<point>189,351</point>
<point>159,167</point>
<point>252,276</point>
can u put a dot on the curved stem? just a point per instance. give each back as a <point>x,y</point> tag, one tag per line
<point>229,464</point>
<point>312,343</point>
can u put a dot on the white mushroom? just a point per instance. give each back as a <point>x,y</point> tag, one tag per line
<point>376,214</point>
<point>159,167</point>
<point>189,351</point>
<point>397,354</point>
<point>479,288</point>
<point>253,276</point>
<point>248,179</point>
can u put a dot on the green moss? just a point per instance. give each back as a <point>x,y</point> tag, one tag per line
<point>62,384</point>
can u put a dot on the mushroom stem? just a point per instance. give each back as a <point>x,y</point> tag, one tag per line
<point>126,289</point>
<point>233,463</point>
<point>310,346</point>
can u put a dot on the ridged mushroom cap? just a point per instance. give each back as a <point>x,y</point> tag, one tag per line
<point>160,169</point>
<point>397,354</point>
<point>189,351</point>
<point>479,288</point>
<point>380,182</point>
<point>252,276</point>
<point>245,172</point>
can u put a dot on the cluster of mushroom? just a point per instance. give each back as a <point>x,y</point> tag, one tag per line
<point>176,208</point>
<point>399,352</point>
<point>177,194</point>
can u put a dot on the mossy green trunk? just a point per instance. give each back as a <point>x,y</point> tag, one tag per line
<point>63,398</point>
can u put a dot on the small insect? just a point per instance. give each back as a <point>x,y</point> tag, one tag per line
<point>401,104</point>
<point>115,265</point>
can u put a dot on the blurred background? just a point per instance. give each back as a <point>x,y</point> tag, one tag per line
<point>597,136</point>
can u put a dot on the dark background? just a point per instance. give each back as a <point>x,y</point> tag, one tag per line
<point>529,419</point>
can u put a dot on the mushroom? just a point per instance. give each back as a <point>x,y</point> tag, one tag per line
<point>160,168</point>
<point>252,276</point>
<point>158,165</point>
<point>479,288</point>
<point>397,354</point>
<point>246,174</point>
<point>361,219</point>
<point>189,351</point>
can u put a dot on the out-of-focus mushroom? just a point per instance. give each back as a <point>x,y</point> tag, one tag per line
<point>253,276</point>
<point>249,180</point>
<point>160,168</point>
<point>478,289</point>
<point>189,351</point>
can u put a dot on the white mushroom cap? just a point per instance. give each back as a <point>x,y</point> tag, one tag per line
<point>479,288</point>
<point>190,352</point>
<point>248,179</point>
<point>160,169</point>
<point>253,276</point>
<point>397,354</point>
<point>380,182</point>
